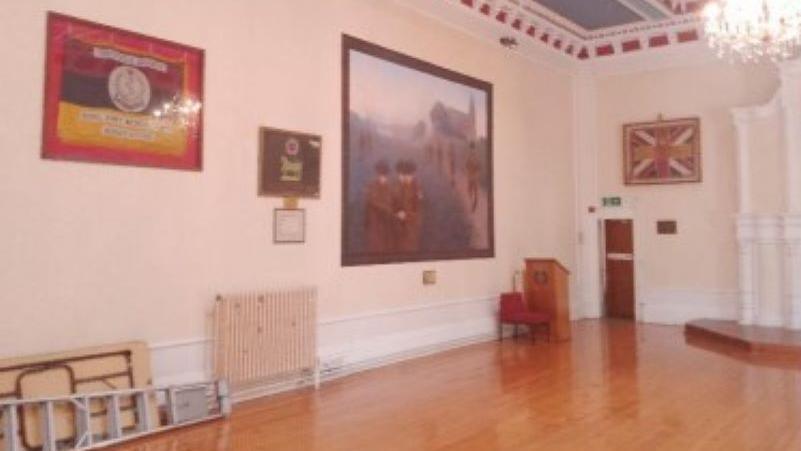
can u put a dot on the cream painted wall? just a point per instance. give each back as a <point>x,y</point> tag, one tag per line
<point>701,261</point>
<point>93,253</point>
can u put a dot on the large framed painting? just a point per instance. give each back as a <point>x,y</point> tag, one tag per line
<point>417,160</point>
<point>661,152</point>
<point>289,163</point>
<point>115,96</point>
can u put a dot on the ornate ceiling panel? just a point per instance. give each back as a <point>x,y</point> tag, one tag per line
<point>587,29</point>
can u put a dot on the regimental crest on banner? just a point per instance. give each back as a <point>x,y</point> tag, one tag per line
<point>665,151</point>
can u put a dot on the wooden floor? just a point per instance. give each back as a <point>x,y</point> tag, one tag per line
<point>616,386</point>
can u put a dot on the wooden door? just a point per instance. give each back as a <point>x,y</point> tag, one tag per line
<point>619,265</point>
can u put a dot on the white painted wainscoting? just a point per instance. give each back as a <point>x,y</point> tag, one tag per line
<point>680,306</point>
<point>354,343</point>
<point>674,306</point>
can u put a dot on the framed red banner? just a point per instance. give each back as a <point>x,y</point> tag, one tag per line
<point>119,97</point>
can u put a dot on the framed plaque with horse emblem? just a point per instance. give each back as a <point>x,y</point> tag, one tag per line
<point>289,163</point>
<point>115,96</point>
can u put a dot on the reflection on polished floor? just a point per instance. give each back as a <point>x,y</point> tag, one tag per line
<point>615,386</point>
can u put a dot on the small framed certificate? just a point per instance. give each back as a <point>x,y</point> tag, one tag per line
<point>289,225</point>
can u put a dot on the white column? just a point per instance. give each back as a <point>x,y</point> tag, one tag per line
<point>771,308</point>
<point>742,124</point>
<point>791,103</point>
<point>746,222</point>
<point>746,240</point>
<point>792,240</point>
<point>589,303</point>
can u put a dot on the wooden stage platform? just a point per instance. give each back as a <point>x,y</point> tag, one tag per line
<point>750,343</point>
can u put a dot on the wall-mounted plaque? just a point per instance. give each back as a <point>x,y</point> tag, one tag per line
<point>666,227</point>
<point>289,163</point>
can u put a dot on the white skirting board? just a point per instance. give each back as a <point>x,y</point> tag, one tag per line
<point>672,306</point>
<point>587,309</point>
<point>680,306</point>
<point>354,343</point>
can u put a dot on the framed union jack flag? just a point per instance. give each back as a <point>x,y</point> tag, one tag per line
<point>666,151</point>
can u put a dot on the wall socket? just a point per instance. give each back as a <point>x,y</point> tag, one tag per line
<point>429,277</point>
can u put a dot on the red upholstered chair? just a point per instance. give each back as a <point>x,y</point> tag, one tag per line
<point>514,311</point>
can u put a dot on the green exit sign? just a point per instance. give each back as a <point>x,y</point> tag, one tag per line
<point>611,201</point>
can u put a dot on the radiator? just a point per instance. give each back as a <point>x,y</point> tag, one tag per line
<point>266,337</point>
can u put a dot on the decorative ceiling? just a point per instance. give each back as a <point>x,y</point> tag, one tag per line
<point>587,29</point>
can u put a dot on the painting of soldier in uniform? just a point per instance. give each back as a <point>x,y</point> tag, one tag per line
<point>417,160</point>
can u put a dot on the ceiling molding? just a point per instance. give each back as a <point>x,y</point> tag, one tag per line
<point>676,42</point>
<point>472,22</point>
<point>684,6</point>
<point>662,6</point>
<point>637,7</point>
<point>668,57</point>
<point>550,17</point>
<point>534,22</point>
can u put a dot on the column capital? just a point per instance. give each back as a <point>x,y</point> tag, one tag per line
<point>792,227</point>
<point>746,228</point>
<point>742,116</point>
<point>769,229</point>
<point>790,74</point>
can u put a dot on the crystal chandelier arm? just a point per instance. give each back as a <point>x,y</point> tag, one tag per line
<point>752,30</point>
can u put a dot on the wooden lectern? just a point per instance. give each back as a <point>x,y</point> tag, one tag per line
<point>546,290</point>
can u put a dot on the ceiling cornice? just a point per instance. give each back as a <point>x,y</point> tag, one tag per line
<point>472,22</point>
<point>533,22</point>
<point>676,42</point>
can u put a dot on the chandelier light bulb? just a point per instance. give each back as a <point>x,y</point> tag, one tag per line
<point>183,110</point>
<point>751,30</point>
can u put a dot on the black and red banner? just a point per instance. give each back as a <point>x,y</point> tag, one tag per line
<point>115,96</point>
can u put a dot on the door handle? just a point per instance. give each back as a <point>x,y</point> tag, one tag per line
<point>620,257</point>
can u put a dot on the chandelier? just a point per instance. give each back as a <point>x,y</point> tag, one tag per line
<point>754,29</point>
<point>181,110</point>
